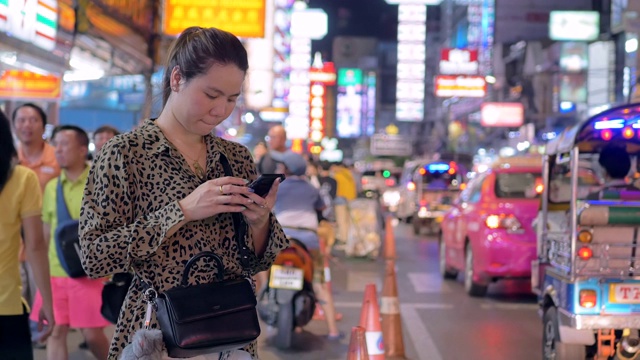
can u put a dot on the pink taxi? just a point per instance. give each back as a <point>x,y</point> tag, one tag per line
<point>488,233</point>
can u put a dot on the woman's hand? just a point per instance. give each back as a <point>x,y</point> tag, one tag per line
<point>45,322</point>
<point>259,209</point>
<point>222,195</point>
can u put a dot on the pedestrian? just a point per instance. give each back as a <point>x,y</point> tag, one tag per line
<point>102,135</point>
<point>29,121</point>
<point>345,192</point>
<point>259,150</point>
<point>21,201</point>
<point>76,301</point>
<point>297,207</point>
<point>277,142</point>
<point>158,196</point>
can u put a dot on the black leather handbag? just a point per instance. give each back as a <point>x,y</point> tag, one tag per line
<point>207,318</point>
<point>114,293</point>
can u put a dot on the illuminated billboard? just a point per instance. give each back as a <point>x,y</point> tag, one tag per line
<point>349,103</point>
<point>574,25</point>
<point>502,114</point>
<point>412,30</point>
<point>18,84</point>
<point>460,86</point>
<point>242,18</point>
<point>458,62</point>
<point>35,22</point>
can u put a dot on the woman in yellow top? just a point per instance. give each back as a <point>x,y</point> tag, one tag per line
<point>21,207</point>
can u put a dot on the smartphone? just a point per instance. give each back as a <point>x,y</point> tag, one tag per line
<point>262,185</point>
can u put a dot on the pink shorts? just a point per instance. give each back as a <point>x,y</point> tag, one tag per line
<point>76,302</point>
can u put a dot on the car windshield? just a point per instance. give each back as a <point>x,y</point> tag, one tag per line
<point>525,185</point>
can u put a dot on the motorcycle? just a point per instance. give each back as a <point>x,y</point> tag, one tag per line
<point>287,300</point>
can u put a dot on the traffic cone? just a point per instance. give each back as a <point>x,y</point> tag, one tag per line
<point>390,311</point>
<point>370,320</point>
<point>389,240</point>
<point>357,345</point>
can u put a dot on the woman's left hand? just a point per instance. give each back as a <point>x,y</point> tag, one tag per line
<point>258,209</point>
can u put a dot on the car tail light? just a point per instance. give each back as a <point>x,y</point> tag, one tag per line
<point>502,221</point>
<point>364,181</point>
<point>585,253</point>
<point>389,182</point>
<point>588,298</point>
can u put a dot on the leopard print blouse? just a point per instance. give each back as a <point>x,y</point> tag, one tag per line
<point>131,201</point>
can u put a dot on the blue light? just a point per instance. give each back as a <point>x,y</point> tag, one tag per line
<point>567,106</point>
<point>438,167</point>
<point>609,124</point>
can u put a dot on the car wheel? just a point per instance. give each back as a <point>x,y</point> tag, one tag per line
<point>552,348</point>
<point>446,272</point>
<point>470,286</point>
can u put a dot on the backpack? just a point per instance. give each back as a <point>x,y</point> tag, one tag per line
<point>67,238</point>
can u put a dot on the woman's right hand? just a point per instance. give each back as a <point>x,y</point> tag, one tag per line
<point>216,196</point>
<point>46,321</point>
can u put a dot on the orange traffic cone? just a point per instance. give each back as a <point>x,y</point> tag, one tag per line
<point>358,345</point>
<point>370,320</point>
<point>390,311</point>
<point>389,240</point>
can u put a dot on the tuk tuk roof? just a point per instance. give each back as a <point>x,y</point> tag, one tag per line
<point>619,125</point>
<point>526,161</point>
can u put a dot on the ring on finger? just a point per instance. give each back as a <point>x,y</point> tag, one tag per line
<point>264,205</point>
<point>221,191</point>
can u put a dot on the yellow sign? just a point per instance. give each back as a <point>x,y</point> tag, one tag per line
<point>17,84</point>
<point>243,18</point>
<point>392,130</point>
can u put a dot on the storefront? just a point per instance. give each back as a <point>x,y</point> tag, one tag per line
<point>36,39</point>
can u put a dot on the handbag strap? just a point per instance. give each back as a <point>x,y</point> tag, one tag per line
<point>239,225</point>
<point>240,231</point>
<point>207,254</point>
<point>62,212</point>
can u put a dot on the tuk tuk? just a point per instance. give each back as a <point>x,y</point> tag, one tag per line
<point>587,270</point>
<point>436,184</point>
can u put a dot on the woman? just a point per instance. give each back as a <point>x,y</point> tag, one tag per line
<point>158,195</point>
<point>259,151</point>
<point>21,200</point>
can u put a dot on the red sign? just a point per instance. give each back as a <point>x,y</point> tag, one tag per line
<point>460,86</point>
<point>459,62</point>
<point>18,84</point>
<point>326,75</point>
<point>502,114</point>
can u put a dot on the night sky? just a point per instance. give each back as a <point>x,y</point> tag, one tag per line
<point>373,18</point>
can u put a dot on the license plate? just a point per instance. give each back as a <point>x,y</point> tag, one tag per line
<point>624,293</point>
<point>284,277</point>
